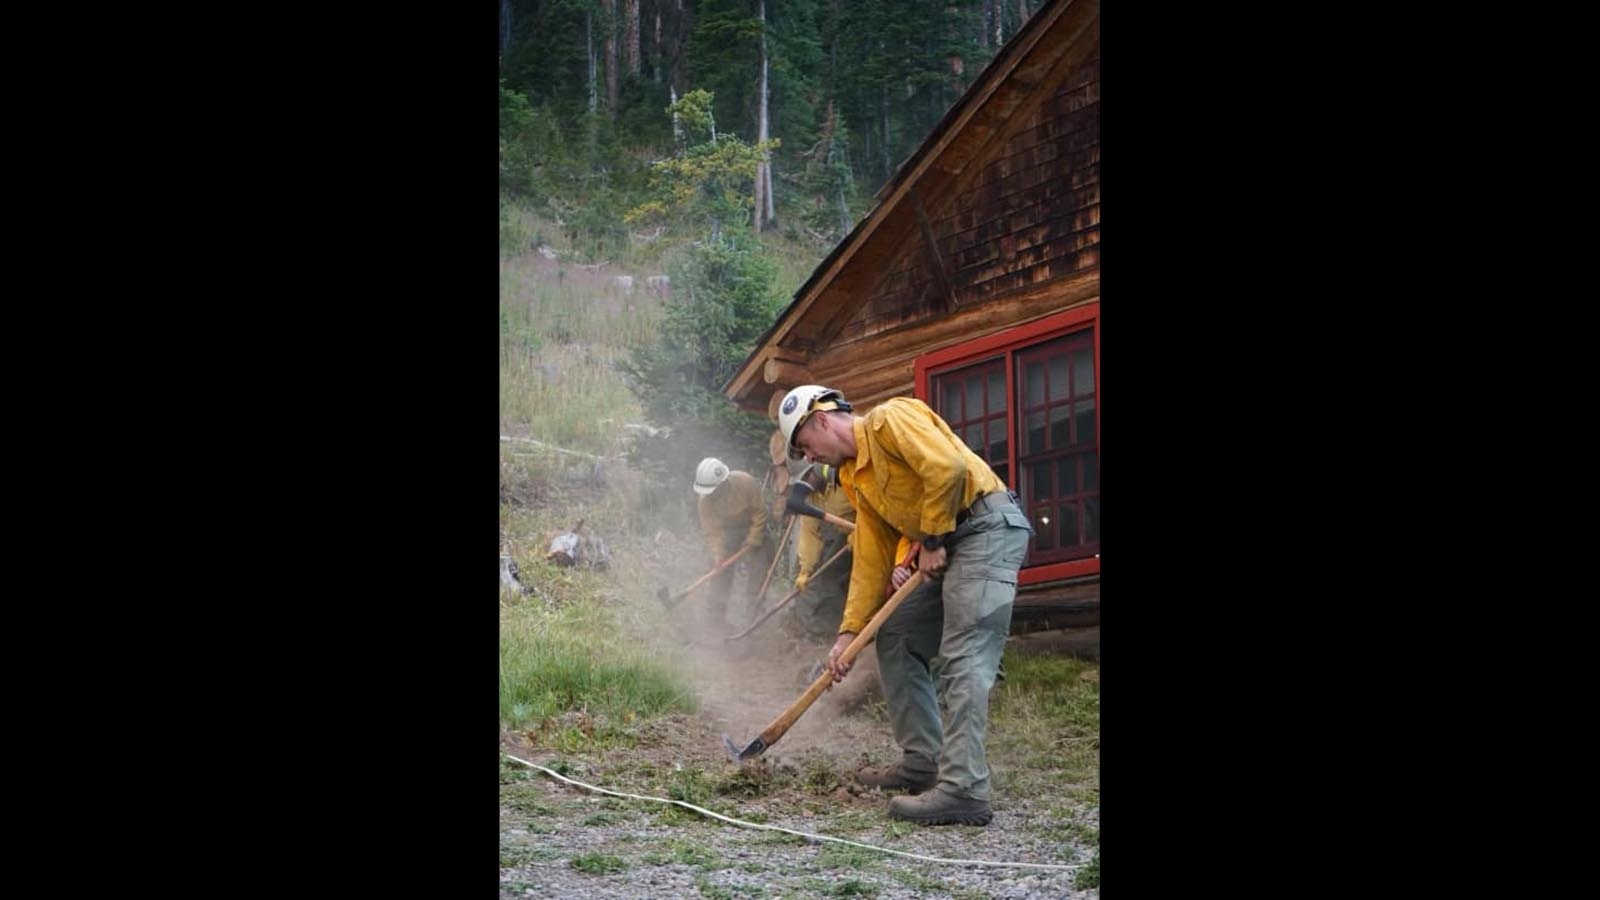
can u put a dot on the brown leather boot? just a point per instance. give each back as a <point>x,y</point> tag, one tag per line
<point>896,778</point>
<point>939,808</point>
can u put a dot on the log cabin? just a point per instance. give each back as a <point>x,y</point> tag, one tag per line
<point>974,284</point>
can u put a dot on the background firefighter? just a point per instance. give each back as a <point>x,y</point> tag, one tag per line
<point>733,513</point>
<point>816,612</point>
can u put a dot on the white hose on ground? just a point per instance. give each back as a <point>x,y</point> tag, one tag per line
<point>813,837</point>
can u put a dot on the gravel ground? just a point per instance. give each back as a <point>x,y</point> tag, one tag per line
<point>560,840</point>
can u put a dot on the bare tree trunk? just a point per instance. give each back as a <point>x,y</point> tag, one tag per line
<point>505,27</point>
<point>677,127</point>
<point>610,7</point>
<point>763,210</point>
<point>999,33</point>
<point>1022,13</point>
<point>588,38</point>
<point>830,159</point>
<point>883,104</point>
<point>630,37</point>
<point>655,50</point>
<point>683,26</point>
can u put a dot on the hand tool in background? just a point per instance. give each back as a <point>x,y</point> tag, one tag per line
<point>792,594</point>
<point>674,600</point>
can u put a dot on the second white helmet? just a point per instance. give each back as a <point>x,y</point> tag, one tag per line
<point>710,473</point>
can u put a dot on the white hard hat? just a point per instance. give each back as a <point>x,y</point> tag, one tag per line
<point>710,473</point>
<point>800,403</point>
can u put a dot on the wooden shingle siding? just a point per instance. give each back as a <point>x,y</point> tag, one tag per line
<point>1031,213</point>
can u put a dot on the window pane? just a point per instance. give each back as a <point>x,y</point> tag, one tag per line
<point>1002,471</point>
<point>1067,477</point>
<point>1091,472</point>
<point>1060,427</point>
<point>1035,381</point>
<point>1068,524</point>
<point>974,397</point>
<point>997,391</point>
<point>1041,481</point>
<point>1091,520</point>
<point>974,438</point>
<point>949,401</point>
<point>1085,410</point>
<point>1043,530</point>
<point>1058,378</point>
<point>1082,371</point>
<point>997,439</point>
<point>1036,432</point>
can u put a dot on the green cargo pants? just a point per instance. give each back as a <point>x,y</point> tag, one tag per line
<point>954,628</point>
<point>726,607</point>
<point>818,609</point>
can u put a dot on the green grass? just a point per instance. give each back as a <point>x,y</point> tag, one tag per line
<point>678,851</point>
<point>707,889</point>
<point>850,887</point>
<point>690,785</point>
<point>844,856</point>
<point>573,658</point>
<point>895,829</point>
<point>727,892</point>
<point>525,799</point>
<point>518,855</point>
<point>852,822</point>
<point>1088,876</point>
<point>1045,721</point>
<point>919,882</point>
<point>598,864</point>
<point>1062,828</point>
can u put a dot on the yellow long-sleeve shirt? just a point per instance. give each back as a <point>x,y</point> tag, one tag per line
<point>910,477</point>
<point>735,506</point>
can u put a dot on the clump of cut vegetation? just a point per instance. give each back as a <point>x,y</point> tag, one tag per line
<point>754,778</point>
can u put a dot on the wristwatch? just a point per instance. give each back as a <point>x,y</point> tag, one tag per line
<point>933,542</point>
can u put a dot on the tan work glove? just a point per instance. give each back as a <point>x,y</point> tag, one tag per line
<point>800,581</point>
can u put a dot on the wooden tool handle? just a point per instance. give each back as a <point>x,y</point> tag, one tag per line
<point>792,594</point>
<point>832,519</point>
<point>712,574</point>
<point>784,722</point>
<point>777,555</point>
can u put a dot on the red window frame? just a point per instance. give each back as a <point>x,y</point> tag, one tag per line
<point>1005,345</point>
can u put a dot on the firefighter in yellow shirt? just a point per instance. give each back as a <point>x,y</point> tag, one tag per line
<point>733,514</point>
<point>909,477</point>
<point>816,612</point>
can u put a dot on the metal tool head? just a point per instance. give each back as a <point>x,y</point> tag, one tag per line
<point>798,491</point>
